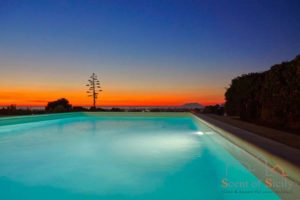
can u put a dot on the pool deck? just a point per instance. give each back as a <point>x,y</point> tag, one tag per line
<point>281,150</point>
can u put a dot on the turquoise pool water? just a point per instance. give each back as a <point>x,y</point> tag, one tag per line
<point>84,156</point>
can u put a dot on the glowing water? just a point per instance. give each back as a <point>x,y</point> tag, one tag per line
<point>94,157</point>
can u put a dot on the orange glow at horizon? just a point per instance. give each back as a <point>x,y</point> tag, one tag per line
<point>34,88</point>
<point>31,97</point>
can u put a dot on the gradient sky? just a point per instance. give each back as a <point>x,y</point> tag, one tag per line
<point>145,52</point>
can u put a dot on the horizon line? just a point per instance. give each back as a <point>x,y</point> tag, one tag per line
<point>7,105</point>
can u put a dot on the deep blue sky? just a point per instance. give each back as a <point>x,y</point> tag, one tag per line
<point>187,48</point>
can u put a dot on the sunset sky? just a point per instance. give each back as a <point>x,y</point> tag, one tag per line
<point>144,52</point>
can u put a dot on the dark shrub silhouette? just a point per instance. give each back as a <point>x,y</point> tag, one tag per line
<point>13,110</point>
<point>79,108</point>
<point>116,110</point>
<point>280,95</point>
<point>60,105</point>
<point>215,109</point>
<point>243,96</point>
<point>271,97</point>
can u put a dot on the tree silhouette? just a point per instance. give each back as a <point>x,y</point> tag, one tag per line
<point>94,88</point>
<point>60,105</point>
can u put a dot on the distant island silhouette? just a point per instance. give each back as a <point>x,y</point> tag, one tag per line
<point>192,105</point>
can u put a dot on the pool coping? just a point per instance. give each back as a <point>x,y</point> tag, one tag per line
<point>265,150</point>
<point>13,120</point>
<point>281,150</point>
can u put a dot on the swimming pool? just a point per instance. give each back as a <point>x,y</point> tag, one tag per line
<point>122,156</point>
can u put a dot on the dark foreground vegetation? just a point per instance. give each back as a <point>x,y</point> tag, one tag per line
<point>13,110</point>
<point>63,105</point>
<point>214,109</point>
<point>271,97</point>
